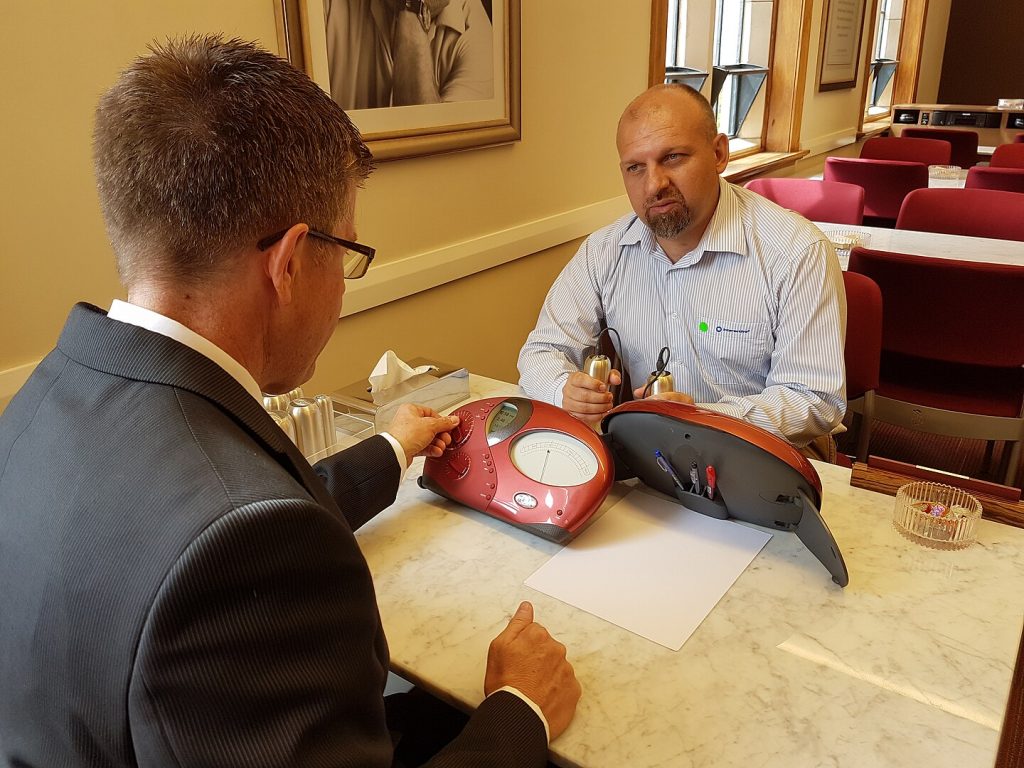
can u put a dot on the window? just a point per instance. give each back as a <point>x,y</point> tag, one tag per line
<point>885,58</point>
<point>731,39</point>
<point>676,69</point>
<point>683,34</point>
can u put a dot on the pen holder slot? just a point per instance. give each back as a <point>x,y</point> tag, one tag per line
<point>698,503</point>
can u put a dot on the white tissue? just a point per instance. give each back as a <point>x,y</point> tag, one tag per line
<point>390,371</point>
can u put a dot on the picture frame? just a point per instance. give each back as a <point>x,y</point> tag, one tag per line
<point>842,30</point>
<point>397,132</point>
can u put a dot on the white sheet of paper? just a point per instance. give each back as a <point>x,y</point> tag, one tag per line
<point>651,567</point>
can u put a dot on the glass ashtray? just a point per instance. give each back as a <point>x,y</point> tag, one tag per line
<point>846,241</point>
<point>944,171</point>
<point>936,515</point>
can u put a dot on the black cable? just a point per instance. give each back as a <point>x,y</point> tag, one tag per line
<point>616,359</point>
<point>663,358</point>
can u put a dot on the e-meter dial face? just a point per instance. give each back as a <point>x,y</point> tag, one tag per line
<point>553,458</point>
<point>525,462</point>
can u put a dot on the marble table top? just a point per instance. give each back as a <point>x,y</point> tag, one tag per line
<point>958,247</point>
<point>909,665</point>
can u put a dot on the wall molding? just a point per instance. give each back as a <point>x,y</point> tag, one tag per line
<point>422,271</point>
<point>821,144</point>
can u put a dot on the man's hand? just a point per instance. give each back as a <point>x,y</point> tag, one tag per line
<point>675,397</point>
<point>588,399</point>
<point>421,431</point>
<point>527,658</point>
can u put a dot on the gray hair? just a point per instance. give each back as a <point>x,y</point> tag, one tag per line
<point>204,146</point>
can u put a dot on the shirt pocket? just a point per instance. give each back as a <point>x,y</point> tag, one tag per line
<point>736,350</point>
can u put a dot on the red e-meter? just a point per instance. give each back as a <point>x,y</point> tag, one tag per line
<point>526,462</point>
<point>537,467</point>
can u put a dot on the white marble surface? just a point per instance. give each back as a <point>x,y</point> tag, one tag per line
<point>957,247</point>
<point>909,665</point>
<point>934,181</point>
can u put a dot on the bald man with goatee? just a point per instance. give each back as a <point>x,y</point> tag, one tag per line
<point>746,295</point>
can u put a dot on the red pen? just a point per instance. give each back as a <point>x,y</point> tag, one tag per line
<point>712,479</point>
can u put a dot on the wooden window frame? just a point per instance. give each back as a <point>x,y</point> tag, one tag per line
<point>784,97</point>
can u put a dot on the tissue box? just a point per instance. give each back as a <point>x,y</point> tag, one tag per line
<point>438,389</point>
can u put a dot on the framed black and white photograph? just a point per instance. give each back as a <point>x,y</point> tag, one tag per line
<point>841,30</point>
<point>418,77</point>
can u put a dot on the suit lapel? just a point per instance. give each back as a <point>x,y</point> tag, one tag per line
<point>120,349</point>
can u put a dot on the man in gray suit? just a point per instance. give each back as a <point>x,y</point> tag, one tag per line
<point>177,585</point>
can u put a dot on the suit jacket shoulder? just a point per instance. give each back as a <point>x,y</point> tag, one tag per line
<point>201,595</point>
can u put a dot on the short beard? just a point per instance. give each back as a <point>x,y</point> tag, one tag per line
<point>668,225</point>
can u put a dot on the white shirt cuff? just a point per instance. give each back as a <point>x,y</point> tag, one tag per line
<point>533,706</point>
<point>556,393</point>
<point>399,454</point>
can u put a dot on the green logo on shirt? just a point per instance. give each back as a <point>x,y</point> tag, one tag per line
<point>703,327</point>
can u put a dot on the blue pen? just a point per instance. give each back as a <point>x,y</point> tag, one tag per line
<point>667,468</point>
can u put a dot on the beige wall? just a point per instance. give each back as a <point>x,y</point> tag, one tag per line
<point>831,118</point>
<point>932,51</point>
<point>59,57</point>
<point>62,55</point>
<point>479,321</point>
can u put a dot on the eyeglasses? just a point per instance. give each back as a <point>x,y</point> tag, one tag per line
<point>355,262</point>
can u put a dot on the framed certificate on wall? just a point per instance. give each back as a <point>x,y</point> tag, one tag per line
<point>842,26</point>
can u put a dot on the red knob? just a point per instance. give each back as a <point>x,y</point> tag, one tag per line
<point>458,464</point>
<point>464,429</point>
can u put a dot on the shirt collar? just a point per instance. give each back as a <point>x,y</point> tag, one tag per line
<point>133,314</point>
<point>452,17</point>
<point>724,233</point>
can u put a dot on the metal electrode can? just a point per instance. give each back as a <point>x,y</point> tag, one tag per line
<point>326,405</point>
<point>309,429</point>
<point>276,402</point>
<point>660,381</point>
<point>598,367</point>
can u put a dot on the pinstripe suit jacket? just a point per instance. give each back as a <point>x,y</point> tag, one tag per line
<point>179,587</point>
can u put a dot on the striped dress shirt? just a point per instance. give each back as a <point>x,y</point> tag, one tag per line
<point>754,316</point>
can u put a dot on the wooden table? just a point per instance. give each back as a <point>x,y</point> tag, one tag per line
<point>910,665</point>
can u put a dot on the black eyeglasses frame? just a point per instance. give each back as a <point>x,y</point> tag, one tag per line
<point>364,250</point>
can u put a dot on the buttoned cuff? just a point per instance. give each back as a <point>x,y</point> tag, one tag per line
<point>559,387</point>
<point>531,704</point>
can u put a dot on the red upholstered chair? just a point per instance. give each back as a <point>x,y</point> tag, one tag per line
<point>863,352</point>
<point>817,200</point>
<point>1008,156</point>
<point>1006,179</point>
<point>1018,139</point>
<point>963,144</point>
<point>885,183</point>
<point>927,151</point>
<point>974,212</point>
<point>952,346</point>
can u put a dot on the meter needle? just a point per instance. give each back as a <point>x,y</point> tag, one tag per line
<point>544,467</point>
